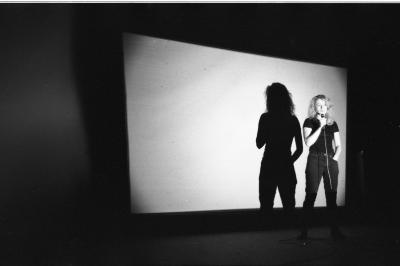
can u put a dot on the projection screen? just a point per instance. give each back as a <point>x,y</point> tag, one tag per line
<point>192,118</point>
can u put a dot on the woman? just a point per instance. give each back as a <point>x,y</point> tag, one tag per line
<point>320,131</point>
<point>276,129</point>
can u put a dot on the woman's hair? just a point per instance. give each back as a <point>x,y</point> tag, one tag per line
<point>311,108</point>
<point>279,99</point>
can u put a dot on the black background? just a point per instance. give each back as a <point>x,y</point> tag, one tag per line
<point>38,200</point>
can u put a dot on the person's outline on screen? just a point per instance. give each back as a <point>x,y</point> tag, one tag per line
<point>276,129</point>
<point>320,131</point>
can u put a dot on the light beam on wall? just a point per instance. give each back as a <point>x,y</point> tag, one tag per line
<point>192,114</point>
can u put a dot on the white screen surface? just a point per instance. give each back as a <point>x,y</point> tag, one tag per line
<point>192,117</point>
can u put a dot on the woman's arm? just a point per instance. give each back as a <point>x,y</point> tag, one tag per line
<point>299,142</point>
<point>260,140</point>
<point>338,146</point>
<point>309,138</point>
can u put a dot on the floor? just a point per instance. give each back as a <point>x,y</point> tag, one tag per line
<point>364,245</point>
<point>114,245</point>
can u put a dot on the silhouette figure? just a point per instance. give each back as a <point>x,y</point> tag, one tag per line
<point>276,129</point>
<point>320,132</point>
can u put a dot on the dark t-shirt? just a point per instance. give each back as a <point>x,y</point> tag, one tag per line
<point>329,130</point>
<point>277,133</point>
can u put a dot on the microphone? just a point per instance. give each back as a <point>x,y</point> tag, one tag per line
<point>322,116</point>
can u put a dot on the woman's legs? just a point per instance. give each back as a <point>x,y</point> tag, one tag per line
<point>330,185</point>
<point>307,212</point>
<point>287,191</point>
<point>313,178</point>
<point>267,190</point>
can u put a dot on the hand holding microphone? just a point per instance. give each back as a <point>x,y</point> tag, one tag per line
<point>322,120</point>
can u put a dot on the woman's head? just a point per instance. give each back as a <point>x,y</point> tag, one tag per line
<point>279,99</point>
<point>322,105</point>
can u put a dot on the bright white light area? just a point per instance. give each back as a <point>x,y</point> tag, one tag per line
<point>192,114</point>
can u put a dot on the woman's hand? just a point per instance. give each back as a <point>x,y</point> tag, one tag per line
<point>322,120</point>
<point>338,146</point>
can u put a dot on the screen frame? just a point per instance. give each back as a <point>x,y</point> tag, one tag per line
<point>251,52</point>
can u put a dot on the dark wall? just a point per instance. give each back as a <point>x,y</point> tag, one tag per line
<point>44,160</point>
<point>98,68</point>
<point>374,126</point>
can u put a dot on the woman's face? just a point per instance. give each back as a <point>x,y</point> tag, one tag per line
<point>320,106</point>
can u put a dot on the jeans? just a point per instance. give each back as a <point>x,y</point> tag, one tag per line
<point>267,191</point>
<point>320,165</point>
<point>277,173</point>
